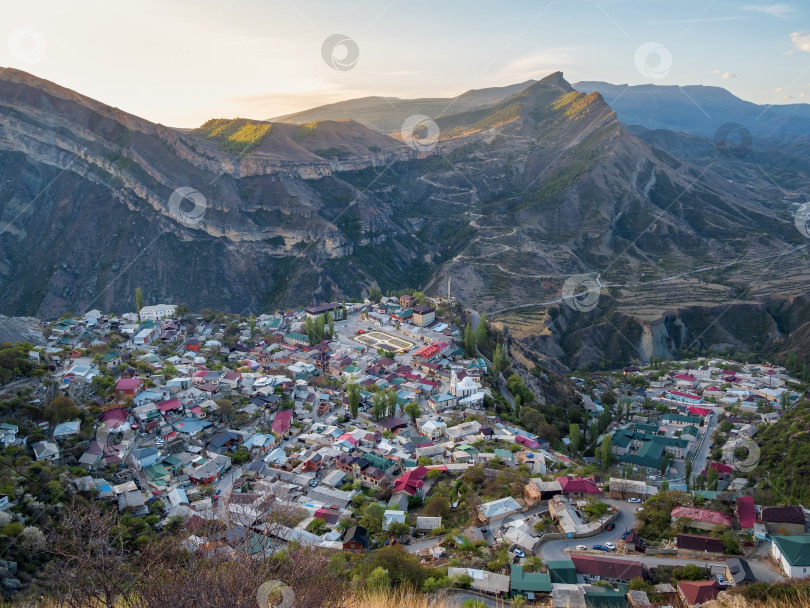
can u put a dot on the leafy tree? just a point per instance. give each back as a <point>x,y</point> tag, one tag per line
<point>437,506</point>
<point>374,294</point>
<point>517,405</point>
<point>481,331</point>
<point>240,456</point>
<point>378,580</point>
<point>731,544</point>
<point>607,452</point>
<point>608,398</point>
<point>497,362</point>
<point>469,341</point>
<point>318,526</point>
<point>353,397</point>
<point>252,323</point>
<point>689,572</point>
<point>138,299</point>
<point>639,584</point>
<point>516,386</point>
<point>372,518</point>
<point>392,401</point>
<point>61,409</point>
<point>573,436</point>
<point>399,529</point>
<point>712,479</point>
<point>226,408</point>
<point>596,509</point>
<point>379,405</point>
<point>413,410</point>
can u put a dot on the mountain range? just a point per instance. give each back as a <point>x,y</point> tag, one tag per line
<point>522,187</point>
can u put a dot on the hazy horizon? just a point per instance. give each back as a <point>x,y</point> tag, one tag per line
<point>183,63</point>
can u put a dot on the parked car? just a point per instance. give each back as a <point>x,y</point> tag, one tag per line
<point>634,500</point>
<point>610,526</point>
<point>519,553</point>
<point>582,548</point>
<point>720,579</point>
<point>600,548</point>
<point>610,546</point>
<point>313,483</point>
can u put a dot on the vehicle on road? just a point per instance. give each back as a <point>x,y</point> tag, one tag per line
<point>313,483</point>
<point>634,500</point>
<point>600,548</point>
<point>652,477</point>
<point>519,553</point>
<point>581,548</point>
<point>610,526</point>
<point>610,546</point>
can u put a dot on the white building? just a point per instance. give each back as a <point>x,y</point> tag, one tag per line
<point>792,553</point>
<point>157,312</point>
<point>462,388</point>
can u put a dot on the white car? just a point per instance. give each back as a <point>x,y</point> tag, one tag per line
<point>633,500</point>
<point>582,548</point>
<point>610,546</point>
<point>519,553</point>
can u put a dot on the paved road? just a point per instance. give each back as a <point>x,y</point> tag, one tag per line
<point>556,549</point>
<point>701,458</point>
<point>500,381</point>
<point>624,521</point>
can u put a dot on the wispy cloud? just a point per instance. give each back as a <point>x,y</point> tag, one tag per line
<point>783,11</point>
<point>701,20</point>
<point>533,66</point>
<point>801,41</point>
<point>724,75</point>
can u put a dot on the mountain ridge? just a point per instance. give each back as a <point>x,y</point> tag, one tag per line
<point>510,201</point>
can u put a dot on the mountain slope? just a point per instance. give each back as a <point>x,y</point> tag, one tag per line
<point>387,114</point>
<point>700,110</point>
<point>516,196</point>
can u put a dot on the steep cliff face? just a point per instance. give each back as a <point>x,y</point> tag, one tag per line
<point>608,338</point>
<point>517,193</point>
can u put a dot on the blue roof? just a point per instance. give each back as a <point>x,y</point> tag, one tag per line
<point>191,425</point>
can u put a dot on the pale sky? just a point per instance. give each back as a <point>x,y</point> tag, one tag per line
<point>180,62</point>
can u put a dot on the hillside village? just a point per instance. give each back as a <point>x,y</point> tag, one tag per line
<point>357,426</point>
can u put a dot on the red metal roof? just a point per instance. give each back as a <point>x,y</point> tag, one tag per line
<point>746,511</point>
<point>411,481</point>
<point>699,411</point>
<point>703,515</point>
<point>576,485</point>
<point>698,592</point>
<point>606,567</point>
<point>281,423</point>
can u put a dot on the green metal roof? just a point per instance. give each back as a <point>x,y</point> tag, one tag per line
<point>794,548</point>
<point>529,581</point>
<point>605,599</point>
<point>562,571</point>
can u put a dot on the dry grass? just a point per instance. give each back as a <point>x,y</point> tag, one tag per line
<point>408,599</point>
